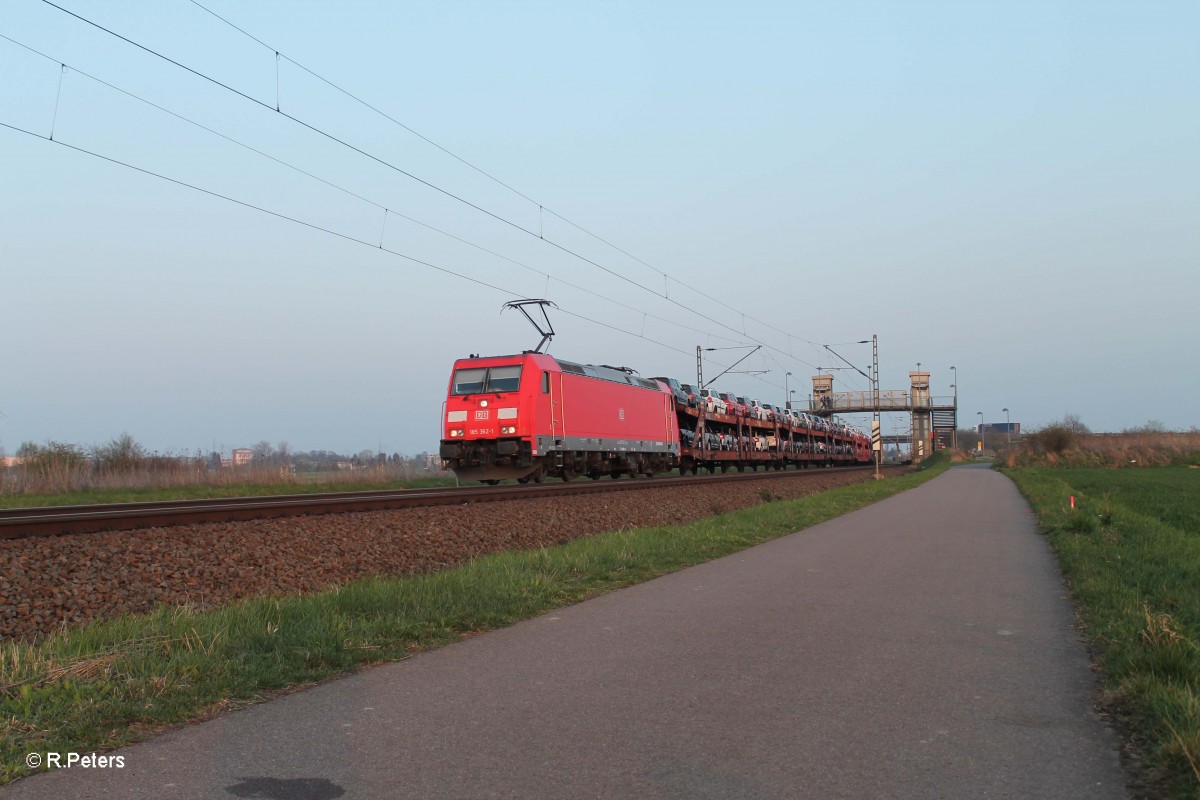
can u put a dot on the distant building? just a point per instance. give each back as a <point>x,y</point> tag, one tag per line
<point>242,456</point>
<point>11,461</point>
<point>999,427</point>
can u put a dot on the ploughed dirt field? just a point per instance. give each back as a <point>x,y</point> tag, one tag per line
<point>46,582</point>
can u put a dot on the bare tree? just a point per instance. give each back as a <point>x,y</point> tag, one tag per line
<point>1074,424</point>
<point>122,454</point>
<point>1151,426</point>
<point>262,451</point>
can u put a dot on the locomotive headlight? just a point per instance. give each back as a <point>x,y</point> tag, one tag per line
<point>509,429</point>
<point>456,432</point>
<point>483,404</point>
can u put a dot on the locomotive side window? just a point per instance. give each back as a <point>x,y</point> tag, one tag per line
<point>469,381</point>
<point>545,383</point>
<point>504,379</point>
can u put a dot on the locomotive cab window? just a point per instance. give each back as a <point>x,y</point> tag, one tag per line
<point>469,381</point>
<point>504,379</point>
<point>545,383</point>
<point>485,380</point>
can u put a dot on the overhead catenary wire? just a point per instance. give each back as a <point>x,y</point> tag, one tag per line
<point>321,229</point>
<point>249,205</point>
<point>426,183</point>
<point>367,105</point>
<point>57,98</point>
<point>376,204</point>
<point>686,285</point>
<point>294,119</point>
<point>346,144</point>
<point>490,176</point>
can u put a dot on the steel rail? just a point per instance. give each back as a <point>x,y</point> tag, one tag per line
<point>17,523</point>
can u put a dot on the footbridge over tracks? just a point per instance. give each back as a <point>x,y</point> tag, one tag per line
<point>929,416</point>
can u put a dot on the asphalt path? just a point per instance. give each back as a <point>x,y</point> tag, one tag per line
<point>923,647</point>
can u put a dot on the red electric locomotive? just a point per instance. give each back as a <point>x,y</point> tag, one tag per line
<point>530,416</point>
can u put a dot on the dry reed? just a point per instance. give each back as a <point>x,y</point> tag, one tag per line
<point>1134,449</point>
<point>162,472</point>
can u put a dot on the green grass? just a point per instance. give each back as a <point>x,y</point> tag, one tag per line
<point>1131,552</point>
<point>114,682</point>
<point>203,492</point>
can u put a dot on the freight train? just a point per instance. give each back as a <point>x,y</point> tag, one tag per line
<point>532,416</point>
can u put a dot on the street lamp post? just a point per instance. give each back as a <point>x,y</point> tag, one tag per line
<point>954,431</point>
<point>787,396</point>
<point>1007,430</point>
<point>982,437</point>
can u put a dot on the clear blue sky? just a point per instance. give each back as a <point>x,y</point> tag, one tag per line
<point>1010,188</point>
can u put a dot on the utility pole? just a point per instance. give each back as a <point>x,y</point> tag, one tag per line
<point>954,386</point>
<point>873,379</point>
<point>875,429</point>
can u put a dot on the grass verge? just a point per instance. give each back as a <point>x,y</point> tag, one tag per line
<point>115,682</point>
<point>1131,552</point>
<point>209,491</point>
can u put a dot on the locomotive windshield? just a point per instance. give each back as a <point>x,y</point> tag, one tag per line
<point>469,381</point>
<point>485,380</point>
<point>504,379</point>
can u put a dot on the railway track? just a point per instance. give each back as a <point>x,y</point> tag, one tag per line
<point>16,523</point>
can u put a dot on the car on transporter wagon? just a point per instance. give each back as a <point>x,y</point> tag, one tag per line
<point>713,402</point>
<point>682,396</point>
<point>735,408</point>
<point>692,395</point>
